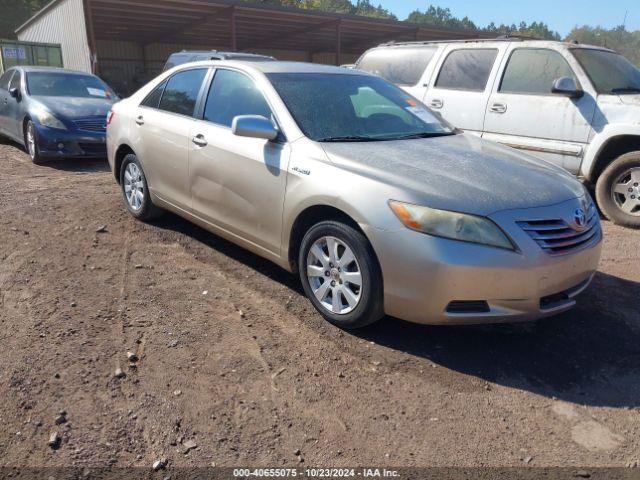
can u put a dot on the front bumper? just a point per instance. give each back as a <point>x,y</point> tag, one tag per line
<point>439,281</point>
<point>71,143</point>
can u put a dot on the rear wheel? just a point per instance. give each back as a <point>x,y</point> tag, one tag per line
<point>340,275</point>
<point>31,143</point>
<point>618,190</point>
<point>135,191</point>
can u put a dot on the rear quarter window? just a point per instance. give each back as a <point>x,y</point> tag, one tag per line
<point>399,65</point>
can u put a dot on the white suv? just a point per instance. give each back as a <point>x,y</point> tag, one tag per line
<point>575,105</point>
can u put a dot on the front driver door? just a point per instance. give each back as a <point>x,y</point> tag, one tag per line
<point>525,114</point>
<point>4,100</point>
<point>14,108</point>
<point>237,183</point>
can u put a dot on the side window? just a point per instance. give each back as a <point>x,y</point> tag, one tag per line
<point>467,69</point>
<point>4,80</point>
<point>181,93</point>
<point>533,71</point>
<point>233,94</point>
<point>15,81</point>
<point>153,99</point>
<point>399,65</point>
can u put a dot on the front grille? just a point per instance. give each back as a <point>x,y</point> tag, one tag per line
<point>557,237</point>
<point>93,148</point>
<point>92,124</point>
<point>468,306</point>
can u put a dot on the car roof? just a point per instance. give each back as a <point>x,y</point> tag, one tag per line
<point>504,38</point>
<point>36,68</point>
<point>279,66</point>
<point>221,54</point>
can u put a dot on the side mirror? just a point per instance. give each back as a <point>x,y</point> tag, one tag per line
<point>566,86</point>
<point>254,126</point>
<point>15,93</point>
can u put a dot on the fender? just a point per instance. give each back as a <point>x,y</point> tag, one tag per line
<point>599,142</point>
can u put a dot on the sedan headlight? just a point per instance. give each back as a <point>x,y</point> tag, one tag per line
<point>453,225</point>
<point>48,120</point>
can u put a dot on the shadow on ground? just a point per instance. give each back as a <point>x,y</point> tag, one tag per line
<point>80,165</point>
<point>590,355</point>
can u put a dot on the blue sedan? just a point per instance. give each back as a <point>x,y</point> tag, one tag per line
<point>55,113</point>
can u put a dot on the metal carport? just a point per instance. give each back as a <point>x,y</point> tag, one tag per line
<point>128,40</point>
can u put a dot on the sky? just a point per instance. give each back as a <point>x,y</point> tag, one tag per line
<point>560,15</point>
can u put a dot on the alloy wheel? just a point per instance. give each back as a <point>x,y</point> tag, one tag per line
<point>626,192</point>
<point>334,275</point>
<point>134,186</point>
<point>31,140</point>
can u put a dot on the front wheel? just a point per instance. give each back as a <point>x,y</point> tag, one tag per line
<point>618,190</point>
<point>31,142</point>
<point>340,275</point>
<point>135,190</point>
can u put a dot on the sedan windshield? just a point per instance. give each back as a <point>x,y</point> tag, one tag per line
<point>354,108</point>
<point>60,84</point>
<point>608,71</point>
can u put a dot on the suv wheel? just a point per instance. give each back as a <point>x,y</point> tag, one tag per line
<point>618,190</point>
<point>340,275</point>
<point>135,191</point>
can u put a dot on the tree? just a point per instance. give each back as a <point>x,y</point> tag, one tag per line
<point>15,13</point>
<point>442,17</point>
<point>619,39</point>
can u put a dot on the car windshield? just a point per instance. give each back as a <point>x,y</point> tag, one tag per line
<point>354,108</point>
<point>608,71</point>
<point>60,84</point>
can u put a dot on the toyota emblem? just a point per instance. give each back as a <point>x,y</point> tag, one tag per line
<point>580,218</point>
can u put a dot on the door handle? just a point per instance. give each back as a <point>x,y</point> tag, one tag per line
<point>140,120</point>
<point>199,140</point>
<point>498,108</point>
<point>436,103</point>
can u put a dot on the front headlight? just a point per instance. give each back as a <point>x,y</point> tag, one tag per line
<point>453,225</point>
<point>48,120</point>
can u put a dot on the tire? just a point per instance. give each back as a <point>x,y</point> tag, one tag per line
<point>618,190</point>
<point>135,191</point>
<point>356,306</point>
<point>31,143</point>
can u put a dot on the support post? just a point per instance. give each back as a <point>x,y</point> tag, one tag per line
<point>91,38</point>
<point>339,43</point>
<point>234,36</point>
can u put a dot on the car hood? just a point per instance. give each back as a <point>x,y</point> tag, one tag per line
<point>458,172</point>
<point>74,107</point>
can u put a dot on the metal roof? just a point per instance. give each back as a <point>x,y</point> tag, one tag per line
<point>242,25</point>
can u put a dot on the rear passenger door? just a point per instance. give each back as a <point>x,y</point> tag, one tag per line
<point>161,129</point>
<point>462,85</point>
<point>525,114</point>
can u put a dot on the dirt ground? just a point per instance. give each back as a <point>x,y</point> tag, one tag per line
<point>236,369</point>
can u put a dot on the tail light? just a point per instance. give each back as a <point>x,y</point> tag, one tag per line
<point>109,117</point>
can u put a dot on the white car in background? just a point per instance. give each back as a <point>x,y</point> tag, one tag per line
<point>575,105</point>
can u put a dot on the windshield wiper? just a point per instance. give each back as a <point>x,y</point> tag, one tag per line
<point>625,90</point>
<point>419,135</point>
<point>348,138</point>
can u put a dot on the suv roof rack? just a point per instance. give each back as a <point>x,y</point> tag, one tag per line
<point>502,38</point>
